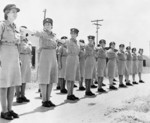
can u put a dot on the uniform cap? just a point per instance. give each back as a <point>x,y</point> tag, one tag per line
<point>128,48</point>
<point>74,30</point>
<point>82,41</point>
<point>91,37</point>
<point>48,20</point>
<point>102,41</point>
<point>64,37</point>
<point>121,45</point>
<point>9,7</point>
<point>111,43</point>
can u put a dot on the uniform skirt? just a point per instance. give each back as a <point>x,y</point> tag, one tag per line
<point>134,67</point>
<point>78,77</point>
<point>111,66</point>
<point>10,74</point>
<point>82,67</point>
<point>72,62</point>
<point>25,68</point>
<point>62,71</point>
<point>121,67</point>
<point>95,70</point>
<point>48,68</point>
<point>128,70</point>
<point>89,67</point>
<point>101,67</point>
<point>140,66</point>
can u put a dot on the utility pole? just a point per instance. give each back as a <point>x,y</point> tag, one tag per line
<point>44,13</point>
<point>130,44</point>
<point>96,22</point>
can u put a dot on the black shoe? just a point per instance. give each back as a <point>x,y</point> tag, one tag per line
<point>58,88</point>
<point>134,82</point>
<point>141,81</point>
<point>101,90</point>
<point>6,116</point>
<point>13,114</point>
<point>75,98</point>
<point>46,104</point>
<point>93,86</point>
<point>19,100</point>
<point>113,87</point>
<point>96,82</point>
<point>39,90</point>
<point>89,93</point>
<point>103,84</point>
<point>64,91</point>
<point>40,95</point>
<point>81,88</point>
<point>70,97</point>
<point>114,83</point>
<point>122,86</point>
<point>24,99</point>
<point>75,86</point>
<point>114,80</point>
<point>129,84</point>
<point>51,104</point>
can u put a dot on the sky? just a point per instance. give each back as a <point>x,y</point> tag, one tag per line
<point>124,20</point>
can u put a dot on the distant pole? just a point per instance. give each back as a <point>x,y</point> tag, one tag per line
<point>149,48</point>
<point>130,44</point>
<point>96,22</point>
<point>44,13</point>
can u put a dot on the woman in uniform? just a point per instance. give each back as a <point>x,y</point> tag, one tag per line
<point>59,43</point>
<point>25,58</point>
<point>89,64</point>
<point>94,76</point>
<point>134,65</point>
<point>111,65</point>
<point>48,68</point>
<point>10,67</point>
<point>101,54</point>
<point>140,65</point>
<point>128,69</point>
<point>82,64</point>
<point>121,62</point>
<point>62,56</point>
<point>72,62</point>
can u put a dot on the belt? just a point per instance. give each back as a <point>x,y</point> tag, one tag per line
<point>101,58</point>
<point>25,53</point>
<point>47,48</point>
<point>72,54</point>
<point>64,55</point>
<point>122,60</point>
<point>8,43</point>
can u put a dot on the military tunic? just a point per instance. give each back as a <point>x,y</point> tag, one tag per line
<point>111,65</point>
<point>134,63</point>
<point>48,68</point>
<point>82,62</point>
<point>63,56</point>
<point>121,57</point>
<point>89,62</point>
<point>25,58</point>
<point>72,60</point>
<point>101,62</point>
<point>10,74</point>
<point>140,63</point>
<point>128,70</point>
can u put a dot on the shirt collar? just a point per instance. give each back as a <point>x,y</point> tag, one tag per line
<point>9,24</point>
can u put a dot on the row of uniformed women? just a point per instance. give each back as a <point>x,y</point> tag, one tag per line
<point>69,59</point>
<point>120,61</point>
